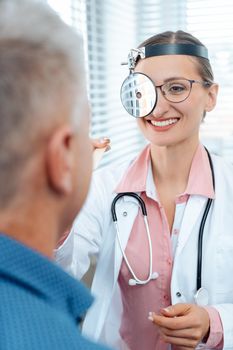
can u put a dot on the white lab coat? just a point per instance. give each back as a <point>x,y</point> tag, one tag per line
<point>94,233</point>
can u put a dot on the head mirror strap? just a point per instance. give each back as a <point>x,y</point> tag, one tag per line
<point>176,49</point>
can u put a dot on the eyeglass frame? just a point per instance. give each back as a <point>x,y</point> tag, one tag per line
<point>191,82</point>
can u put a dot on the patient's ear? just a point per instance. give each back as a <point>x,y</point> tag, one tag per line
<point>59,160</point>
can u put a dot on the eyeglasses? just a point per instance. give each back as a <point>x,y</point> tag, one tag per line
<point>139,94</point>
<point>178,90</point>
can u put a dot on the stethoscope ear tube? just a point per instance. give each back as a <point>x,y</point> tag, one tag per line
<point>201,230</point>
<point>130,194</point>
<point>200,243</point>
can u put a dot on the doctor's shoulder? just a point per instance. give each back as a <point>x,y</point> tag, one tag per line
<point>223,169</point>
<point>109,176</point>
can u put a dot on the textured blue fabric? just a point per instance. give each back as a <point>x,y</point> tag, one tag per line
<point>40,305</point>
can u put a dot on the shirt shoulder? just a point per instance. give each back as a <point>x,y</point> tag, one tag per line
<point>223,169</point>
<point>28,321</point>
<point>220,161</point>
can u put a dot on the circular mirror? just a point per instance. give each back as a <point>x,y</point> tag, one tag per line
<point>138,95</point>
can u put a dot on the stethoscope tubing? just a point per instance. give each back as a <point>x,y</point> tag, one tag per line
<point>144,212</point>
<point>202,226</point>
<point>135,278</point>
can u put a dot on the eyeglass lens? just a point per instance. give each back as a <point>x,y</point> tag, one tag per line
<point>176,90</point>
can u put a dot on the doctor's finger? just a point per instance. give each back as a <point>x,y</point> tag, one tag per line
<point>182,348</point>
<point>180,342</point>
<point>188,333</point>
<point>176,310</point>
<point>180,322</point>
<point>101,143</point>
<point>195,318</point>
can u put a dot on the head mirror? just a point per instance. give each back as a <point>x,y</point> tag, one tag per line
<point>138,92</point>
<point>138,95</point>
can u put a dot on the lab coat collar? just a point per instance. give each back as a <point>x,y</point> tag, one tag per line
<point>194,207</point>
<point>200,185</point>
<point>139,177</point>
<point>134,179</point>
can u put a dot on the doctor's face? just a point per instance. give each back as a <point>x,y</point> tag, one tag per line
<point>174,123</point>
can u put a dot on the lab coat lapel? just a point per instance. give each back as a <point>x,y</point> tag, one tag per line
<point>127,210</point>
<point>193,211</point>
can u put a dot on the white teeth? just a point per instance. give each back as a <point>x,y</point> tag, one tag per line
<point>164,122</point>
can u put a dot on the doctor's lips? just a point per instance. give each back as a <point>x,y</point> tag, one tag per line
<point>163,123</point>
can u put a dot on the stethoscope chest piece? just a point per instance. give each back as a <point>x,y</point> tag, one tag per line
<point>201,297</point>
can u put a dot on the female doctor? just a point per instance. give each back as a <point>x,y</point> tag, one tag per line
<point>176,263</point>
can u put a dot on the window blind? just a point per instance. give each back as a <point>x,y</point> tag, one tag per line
<point>111,28</point>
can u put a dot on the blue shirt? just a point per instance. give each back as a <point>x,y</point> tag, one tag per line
<point>40,305</point>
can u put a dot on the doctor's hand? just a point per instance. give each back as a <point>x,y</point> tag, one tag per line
<point>99,147</point>
<point>103,142</point>
<point>182,325</point>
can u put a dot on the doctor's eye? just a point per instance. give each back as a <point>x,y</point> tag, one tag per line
<point>176,88</point>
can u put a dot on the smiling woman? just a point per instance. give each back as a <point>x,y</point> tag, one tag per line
<point>150,265</point>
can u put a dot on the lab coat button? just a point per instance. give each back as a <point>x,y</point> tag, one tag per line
<point>124,213</point>
<point>178,294</point>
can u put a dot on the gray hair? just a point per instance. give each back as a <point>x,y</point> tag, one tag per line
<point>41,72</point>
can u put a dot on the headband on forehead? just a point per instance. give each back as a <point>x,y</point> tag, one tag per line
<point>165,49</point>
<point>176,49</point>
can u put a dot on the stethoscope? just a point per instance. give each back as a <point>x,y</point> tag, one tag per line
<point>201,295</point>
